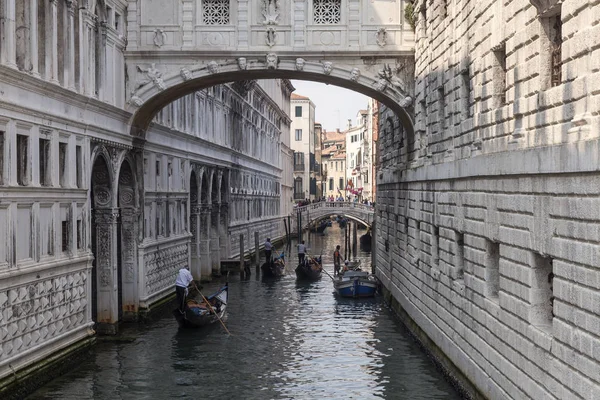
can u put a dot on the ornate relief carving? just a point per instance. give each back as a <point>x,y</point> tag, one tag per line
<point>271,11</point>
<point>272,61</point>
<point>160,37</point>
<point>327,67</point>
<point>389,77</point>
<point>136,101</point>
<point>152,75</point>
<point>186,74</point>
<point>213,67</point>
<point>242,63</point>
<point>102,196</point>
<point>300,62</point>
<point>35,313</point>
<point>271,37</point>
<point>381,37</point>
<point>162,265</point>
<point>354,74</point>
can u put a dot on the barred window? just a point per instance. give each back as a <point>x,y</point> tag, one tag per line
<point>215,12</point>
<point>327,11</point>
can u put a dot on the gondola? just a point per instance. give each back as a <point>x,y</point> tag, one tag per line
<point>310,270</point>
<point>275,268</point>
<point>198,313</point>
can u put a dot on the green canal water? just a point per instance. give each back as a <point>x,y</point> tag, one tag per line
<point>289,341</point>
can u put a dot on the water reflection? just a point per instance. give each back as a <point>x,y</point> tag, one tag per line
<point>290,340</point>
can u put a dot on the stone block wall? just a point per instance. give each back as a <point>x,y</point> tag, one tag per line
<point>488,235</point>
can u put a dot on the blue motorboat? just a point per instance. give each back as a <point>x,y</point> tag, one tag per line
<point>356,284</point>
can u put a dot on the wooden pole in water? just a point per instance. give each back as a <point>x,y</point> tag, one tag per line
<point>289,242</point>
<point>241,253</point>
<point>354,239</point>
<point>346,228</point>
<point>256,247</point>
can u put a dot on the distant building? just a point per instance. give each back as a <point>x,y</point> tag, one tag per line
<point>333,158</point>
<point>359,154</point>
<point>317,168</point>
<point>302,142</point>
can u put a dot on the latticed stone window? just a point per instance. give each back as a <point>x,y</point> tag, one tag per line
<point>556,66</point>
<point>215,12</point>
<point>327,11</point>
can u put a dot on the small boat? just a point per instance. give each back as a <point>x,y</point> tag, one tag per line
<point>199,313</point>
<point>309,271</point>
<point>275,268</point>
<point>356,284</point>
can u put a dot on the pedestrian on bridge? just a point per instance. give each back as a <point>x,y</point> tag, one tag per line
<point>301,252</point>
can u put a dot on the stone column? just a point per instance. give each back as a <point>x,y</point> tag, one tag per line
<point>128,262</point>
<point>33,38</point>
<point>52,39</point>
<point>224,241</point>
<point>9,47</point>
<point>205,262</point>
<point>87,52</point>
<point>195,218</point>
<point>106,269</point>
<point>215,247</point>
<point>70,50</point>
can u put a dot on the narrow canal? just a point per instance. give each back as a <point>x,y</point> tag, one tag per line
<point>289,341</point>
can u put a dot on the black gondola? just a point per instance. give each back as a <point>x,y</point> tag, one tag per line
<point>199,314</point>
<point>309,270</point>
<point>275,268</point>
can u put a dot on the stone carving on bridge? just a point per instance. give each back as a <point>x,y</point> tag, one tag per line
<point>242,63</point>
<point>327,67</point>
<point>271,10</point>
<point>389,76</point>
<point>272,61</point>
<point>186,74</point>
<point>354,74</point>
<point>213,67</point>
<point>160,37</point>
<point>271,37</point>
<point>381,37</point>
<point>300,62</point>
<point>136,101</point>
<point>152,75</point>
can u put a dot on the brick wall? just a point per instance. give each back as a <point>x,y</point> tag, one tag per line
<point>488,226</point>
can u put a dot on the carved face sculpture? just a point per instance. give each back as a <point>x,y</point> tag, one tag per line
<point>213,67</point>
<point>242,63</point>
<point>354,74</point>
<point>300,64</point>
<point>327,67</point>
<point>186,74</point>
<point>272,61</point>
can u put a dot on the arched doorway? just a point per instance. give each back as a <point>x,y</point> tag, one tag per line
<point>104,234</point>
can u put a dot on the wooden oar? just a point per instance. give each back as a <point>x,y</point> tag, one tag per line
<point>211,308</point>
<point>322,269</point>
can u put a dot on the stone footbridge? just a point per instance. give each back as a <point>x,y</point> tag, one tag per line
<point>313,212</point>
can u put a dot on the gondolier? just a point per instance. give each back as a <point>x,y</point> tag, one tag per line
<point>337,260</point>
<point>268,249</point>
<point>301,252</point>
<point>184,278</point>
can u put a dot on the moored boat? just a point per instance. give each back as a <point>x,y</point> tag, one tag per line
<point>201,313</point>
<point>310,270</point>
<point>356,284</point>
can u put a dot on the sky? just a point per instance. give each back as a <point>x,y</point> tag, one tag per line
<point>333,105</point>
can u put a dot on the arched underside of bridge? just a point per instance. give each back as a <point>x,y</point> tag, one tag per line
<point>164,88</point>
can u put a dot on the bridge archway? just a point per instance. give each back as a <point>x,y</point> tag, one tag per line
<point>317,211</point>
<point>155,89</point>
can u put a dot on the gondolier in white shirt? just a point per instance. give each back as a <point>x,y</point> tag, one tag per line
<point>268,249</point>
<point>301,252</point>
<point>184,278</point>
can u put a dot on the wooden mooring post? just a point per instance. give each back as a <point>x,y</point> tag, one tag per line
<point>242,253</point>
<point>256,250</point>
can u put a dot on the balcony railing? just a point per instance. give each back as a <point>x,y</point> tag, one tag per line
<point>299,167</point>
<point>299,196</point>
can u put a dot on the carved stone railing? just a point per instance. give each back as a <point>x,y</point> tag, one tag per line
<point>313,212</point>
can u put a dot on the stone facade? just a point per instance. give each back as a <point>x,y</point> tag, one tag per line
<point>96,222</point>
<point>487,229</point>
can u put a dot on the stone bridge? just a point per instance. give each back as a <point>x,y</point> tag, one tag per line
<point>174,50</point>
<point>313,212</point>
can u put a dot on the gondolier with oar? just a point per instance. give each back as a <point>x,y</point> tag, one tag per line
<point>184,278</point>
<point>337,260</point>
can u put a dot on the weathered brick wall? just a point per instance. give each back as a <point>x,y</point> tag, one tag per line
<point>488,227</point>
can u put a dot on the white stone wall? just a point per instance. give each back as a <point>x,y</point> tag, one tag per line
<point>487,229</point>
